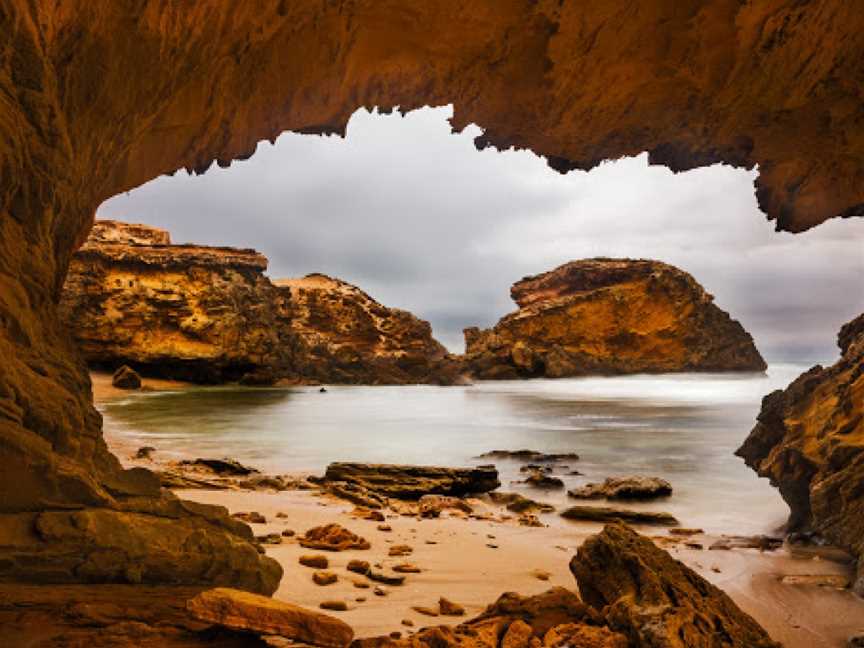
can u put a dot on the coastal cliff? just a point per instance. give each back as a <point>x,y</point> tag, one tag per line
<point>610,316</point>
<point>809,441</point>
<point>210,315</point>
<point>351,338</point>
<point>202,314</point>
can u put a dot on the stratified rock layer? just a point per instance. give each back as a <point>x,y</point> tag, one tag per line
<point>413,482</point>
<point>351,338</point>
<point>610,316</point>
<point>809,441</point>
<point>204,314</point>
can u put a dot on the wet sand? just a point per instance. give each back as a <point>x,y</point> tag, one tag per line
<point>463,568</point>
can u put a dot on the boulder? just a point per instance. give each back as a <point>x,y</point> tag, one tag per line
<point>412,482</point>
<point>610,316</point>
<point>610,514</point>
<point>624,488</point>
<point>655,600</point>
<point>126,378</point>
<point>243,611</point>
<point>332,537</point>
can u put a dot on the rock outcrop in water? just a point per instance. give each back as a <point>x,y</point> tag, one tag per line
<point>348,337</point>
<point>203,314</point>
<point>809,441</point>
<point>210,315</point>
<point>610,316</point>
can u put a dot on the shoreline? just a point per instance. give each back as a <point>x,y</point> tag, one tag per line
<point>462,567</point>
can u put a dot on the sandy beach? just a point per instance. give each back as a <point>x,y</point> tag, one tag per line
<point>473,561</point>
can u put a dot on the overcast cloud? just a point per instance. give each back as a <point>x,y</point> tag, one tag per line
<point>421,220</point>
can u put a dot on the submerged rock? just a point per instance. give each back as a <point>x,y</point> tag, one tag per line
<point>610,514</point>
<point>610,316</point>
<point>656,600</point>
<point>622,488</point>
<point>809,441</point>
<point>412,482</point>
<point>243,611</point>
<point>529,455</point>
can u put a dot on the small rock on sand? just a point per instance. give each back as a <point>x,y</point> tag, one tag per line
<point>407,568</point>
<point>287,533</point>
<point>358,566</point>
<point>384,527</point>
<point>253,517</point>
<point>400,550</point>
<point>541,574</point>
<point>324,578</point>
<point>422,609</point>
<point>449,608</point>
<point>333,537</point>
<point>385,578</point>
<point>408,622</point>
<point>270,538</point>
<point>379,592</point>
<point>314,560</point>
<point>335,606</point>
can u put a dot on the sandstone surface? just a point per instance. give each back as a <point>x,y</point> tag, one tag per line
<point>624,488</point>
<point>657,601</point>
<point>809,441</point>
<point>610,316</point>
<point>351,338</point>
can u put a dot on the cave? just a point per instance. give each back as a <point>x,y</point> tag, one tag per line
<point>99,98</point>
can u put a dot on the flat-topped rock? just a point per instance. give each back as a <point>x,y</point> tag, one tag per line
<point>238,610</point>
<point>612,514</point>
<point>655,600</point>
<point>624,488</point>
<point>610,316</point>
<point>412,482</point>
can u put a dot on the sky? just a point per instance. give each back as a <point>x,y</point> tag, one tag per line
<point>418,218</point>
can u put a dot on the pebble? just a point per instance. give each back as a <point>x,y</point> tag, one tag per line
<point>324,578</point>
<point>316,561</point>
<point>335,606</point>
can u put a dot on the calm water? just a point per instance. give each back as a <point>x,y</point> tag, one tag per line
<point>682,427</point>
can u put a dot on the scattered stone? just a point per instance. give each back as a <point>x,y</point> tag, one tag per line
<point>287,533</point>
<point>126,378</point>
<point>361,585</point>
<point>422,609</point>
<point>335,606</point>
<point>492,546</point>
<point>280,514</point>
<point>379,592</point>
<point>655,599</point>
<point>694,545</point>
<point>412,482</point>
<point>835,581</point>
<point>358,566</point>
<point>518,503</point>
<point>530,520</point>
<point>316,561</point>
<point>264,482</point>
<point>333,537</point>
<point>529,455</point>
<point>762,543</point>
<point>407,568</point>
<point>243,611</point>
<point>532,467</point>
<point>360,599</point>
<point>368,514</point>
<point>270,538</point>
<point>408,622</point>
<point>145,453</point>
<point>400,550</point>
<point>385,578</point>
<point>449,608</point>
<point>681,531</point>
<point>384,527</point>
<point>541,574</point>
<point>324,578</point>
<point>624,488</point>
<point>609,514</point>
<point>222,466</point>
<point>431,506</point>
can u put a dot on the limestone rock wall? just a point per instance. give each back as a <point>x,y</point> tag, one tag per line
<point>610,316</point>
<point>809,441</point>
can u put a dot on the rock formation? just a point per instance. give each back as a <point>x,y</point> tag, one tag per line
<point>413,482</point>
<point>351,338</point>
<point>610,316</point>
<point>210,315</point>
<point>102,97</point>
<point>203,314</point>
<point>809,441</point>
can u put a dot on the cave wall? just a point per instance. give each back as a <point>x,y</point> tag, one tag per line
<point>99,97</point>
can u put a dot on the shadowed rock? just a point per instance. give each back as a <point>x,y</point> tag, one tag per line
<point>412,482</point>
<point>657,601</point>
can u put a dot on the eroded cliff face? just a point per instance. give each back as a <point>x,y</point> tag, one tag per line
<point>809,441</point>
<point>610,316</point>
<point>101,97</point>
<point>203,314</point>
<point>348,337</point>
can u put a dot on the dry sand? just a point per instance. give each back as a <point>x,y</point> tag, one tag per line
<point>458,564</point>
